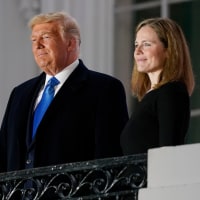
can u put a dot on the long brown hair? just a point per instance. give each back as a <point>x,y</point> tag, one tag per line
<point>178,65</point>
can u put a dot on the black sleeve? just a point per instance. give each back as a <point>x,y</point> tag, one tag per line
<point>3,137</point>
<point>111,118</point>
<point>173,114</point>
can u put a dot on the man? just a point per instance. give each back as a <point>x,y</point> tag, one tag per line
<point>85,117</point>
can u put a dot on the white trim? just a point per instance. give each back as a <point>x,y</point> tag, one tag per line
<point>195,113</point>
<point>147,5</point>
<point>29,8</point>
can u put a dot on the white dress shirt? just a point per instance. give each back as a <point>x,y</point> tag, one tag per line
<point>61,76</point>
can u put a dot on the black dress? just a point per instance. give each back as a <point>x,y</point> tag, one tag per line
<point>160,119</point>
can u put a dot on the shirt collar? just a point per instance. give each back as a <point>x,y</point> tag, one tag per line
<point>65,73</point>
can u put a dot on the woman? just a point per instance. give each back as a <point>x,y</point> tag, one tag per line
<point>163,82</point>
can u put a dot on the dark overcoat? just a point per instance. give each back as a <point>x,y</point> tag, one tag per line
<point>83,122</point>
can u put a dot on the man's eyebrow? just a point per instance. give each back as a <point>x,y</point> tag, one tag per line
<point>42,33</point>
<point>45,32</point>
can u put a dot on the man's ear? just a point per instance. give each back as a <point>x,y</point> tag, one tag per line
<point>71,45</point>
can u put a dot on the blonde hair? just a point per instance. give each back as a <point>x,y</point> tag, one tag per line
<point>66,23</point>
<point>178,65</point>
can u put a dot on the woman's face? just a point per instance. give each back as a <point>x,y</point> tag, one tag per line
<point>150,53</point>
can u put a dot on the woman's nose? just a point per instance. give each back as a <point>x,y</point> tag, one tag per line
<point>138,49</point>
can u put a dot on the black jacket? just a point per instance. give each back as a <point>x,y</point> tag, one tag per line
<point>83,122</point>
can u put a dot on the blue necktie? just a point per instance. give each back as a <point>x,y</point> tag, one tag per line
<point>46,99</point>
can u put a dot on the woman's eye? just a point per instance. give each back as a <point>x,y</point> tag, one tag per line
<point>143,45</point>
<point>146,44</point>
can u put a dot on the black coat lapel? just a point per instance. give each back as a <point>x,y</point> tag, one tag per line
<point>39,82</point>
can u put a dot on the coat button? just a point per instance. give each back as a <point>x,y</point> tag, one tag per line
<point>28,161</point>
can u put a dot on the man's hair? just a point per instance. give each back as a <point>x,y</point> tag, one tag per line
<point>66,23</point>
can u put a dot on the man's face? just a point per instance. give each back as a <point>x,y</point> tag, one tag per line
<point>49,48</point>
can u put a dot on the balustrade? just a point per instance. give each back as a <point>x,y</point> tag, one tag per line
<point>117,178</point>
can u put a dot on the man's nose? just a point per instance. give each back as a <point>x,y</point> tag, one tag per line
<point>38,44</point>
